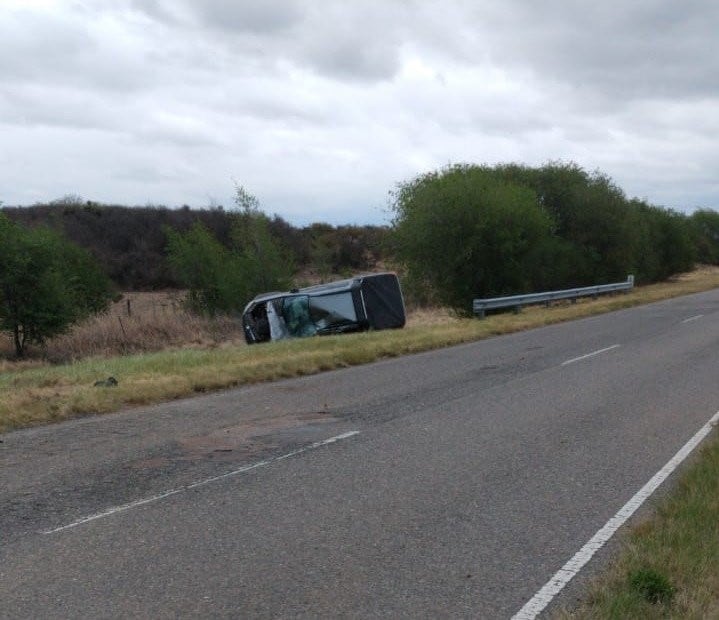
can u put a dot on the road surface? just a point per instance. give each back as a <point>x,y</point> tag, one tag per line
<point>450,484</point>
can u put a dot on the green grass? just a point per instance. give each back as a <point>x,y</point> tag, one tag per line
<point>49,393</point>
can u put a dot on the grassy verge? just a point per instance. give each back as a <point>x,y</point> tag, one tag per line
<point>137,323</point>
<point>37,393</point>
<point>669,566</point>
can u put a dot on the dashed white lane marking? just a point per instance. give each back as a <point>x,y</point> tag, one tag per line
<point>565,574</point>
<point>692,318</point>
<point>592,354</point>
<point>159,496</point>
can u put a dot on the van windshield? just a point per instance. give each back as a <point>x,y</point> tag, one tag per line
<point>296,312</point>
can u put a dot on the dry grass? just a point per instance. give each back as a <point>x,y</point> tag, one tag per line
<point>139,322</point>
<point>160,352</point>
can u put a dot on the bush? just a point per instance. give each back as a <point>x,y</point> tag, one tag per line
<point>46,284</point>
<point>705,230</point>
<point>222,280</point>
<point>651,585</point>
<point>478,231</point>
<point>469,234</point>
<point>212,274</point>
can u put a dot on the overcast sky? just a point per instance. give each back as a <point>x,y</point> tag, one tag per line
<point>319,107</point>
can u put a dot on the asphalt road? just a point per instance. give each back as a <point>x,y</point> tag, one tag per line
<point>455,484</point>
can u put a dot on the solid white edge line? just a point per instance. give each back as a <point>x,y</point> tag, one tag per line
<point>565,574</point>
<point>693,318</point>
<point>159,496</point>
<point>592,354</point>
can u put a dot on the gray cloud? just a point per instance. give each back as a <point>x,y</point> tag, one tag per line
<point>613,49</point>
<point>43,46</point>
<point>350,41</point>
<point>256,17</point>
<point>345,56</point>
<point>235,16</point>
<point>321,107</point>
<point>70,108</point>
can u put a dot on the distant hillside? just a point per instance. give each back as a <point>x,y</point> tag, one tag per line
<point>130,242</point>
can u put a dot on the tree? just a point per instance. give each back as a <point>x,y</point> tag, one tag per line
<point>705,225</point>
<point>591,214</point>
<point>211,272</point>
<point>221,279</point>
<point>598,234</point>
<point>267,265</point>
<point>46,284</point>
<point>323,249</point>
<point>466,233</point>
<point>671,241</point>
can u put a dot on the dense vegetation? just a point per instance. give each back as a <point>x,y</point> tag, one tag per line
<point>461,232</point>
<point>131,242</point>
<point>478,231</point>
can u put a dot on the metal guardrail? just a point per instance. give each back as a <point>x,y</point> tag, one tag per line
<point>480,306</point>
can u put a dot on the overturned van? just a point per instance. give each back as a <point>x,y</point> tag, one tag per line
<point>365,302</point>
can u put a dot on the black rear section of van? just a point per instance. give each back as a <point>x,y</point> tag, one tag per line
<point>383,301</point>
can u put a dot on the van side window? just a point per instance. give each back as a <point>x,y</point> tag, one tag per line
<point>329,310</point>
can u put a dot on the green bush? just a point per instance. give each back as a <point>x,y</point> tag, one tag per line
<point>705,230</point>
<point>46,284</point>
<point>467,234</point>
<point>651,585</point>
<point>471,231</point>
<point>222,280</point>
